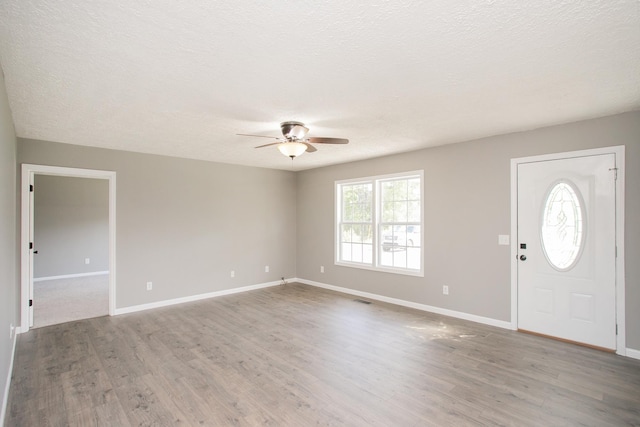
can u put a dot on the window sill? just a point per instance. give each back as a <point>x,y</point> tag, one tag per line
<point>415,273</point>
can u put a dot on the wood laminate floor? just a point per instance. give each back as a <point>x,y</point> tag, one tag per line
<point>295,355</point>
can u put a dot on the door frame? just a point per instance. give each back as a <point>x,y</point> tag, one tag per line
<point>618,151</point>
<point>26,217</point>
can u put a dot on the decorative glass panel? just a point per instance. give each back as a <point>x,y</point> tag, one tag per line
<point>562,228</point>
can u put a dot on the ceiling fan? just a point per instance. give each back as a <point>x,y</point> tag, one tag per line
<point>295,142</point>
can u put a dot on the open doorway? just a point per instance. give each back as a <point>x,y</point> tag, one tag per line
<point>68,245</point>
<point>71,249</point>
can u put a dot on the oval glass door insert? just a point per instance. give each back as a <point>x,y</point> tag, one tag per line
<point>562,230</point>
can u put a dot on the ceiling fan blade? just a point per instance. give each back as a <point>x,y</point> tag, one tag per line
<point>320,140</point>
<point>267,145</point>
<point>259,136</point>
<point>310,148</point>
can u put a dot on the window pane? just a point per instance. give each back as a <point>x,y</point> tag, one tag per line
<point>414,189</point>
<point>387,240</point>
<point>400,189</point>
<point>367,233</point>
<point>413,236</point>
<point>386,189</point>
<point>347,212</point>
<point>400,211</point>
<point>364,212</point>
<point>413,258</point>
<point>386,258</point>
<point>400,234</point>
<point>360,252</point>
<point>414,211</point>
<point>346,233</point>
<point>400,258</point>
<point>356,252</point>
<point>356,202</point>
<point>367,254</point>
<point>355,235</point>
<point>387,211</point>
<point>345,251</point>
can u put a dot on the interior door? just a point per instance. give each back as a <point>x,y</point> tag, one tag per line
<point>567,249</point>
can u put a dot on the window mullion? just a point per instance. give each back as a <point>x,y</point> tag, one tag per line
<point>374,222</point>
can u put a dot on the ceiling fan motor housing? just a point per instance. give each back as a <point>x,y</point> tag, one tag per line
<point>294,130</point>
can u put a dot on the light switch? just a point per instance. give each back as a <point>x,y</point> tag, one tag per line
<point>503,239</point>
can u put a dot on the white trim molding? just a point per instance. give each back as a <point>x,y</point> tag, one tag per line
<point>28,173</point>
<point>7,386</point>
<point>182,300</point>
<point>634,354</point>
<point>70,276</point>
<point>423,307</point>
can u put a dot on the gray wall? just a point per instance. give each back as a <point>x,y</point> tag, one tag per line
<point>8,237</point>
<point>467,204</point>
<point>71,223</point>
<point>185,224</point>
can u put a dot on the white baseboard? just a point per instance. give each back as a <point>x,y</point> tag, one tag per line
<point>182,300</point>
<point>70,276</point>
<point>7,386</point>
<point>410,304</point>
<point>634,354</point>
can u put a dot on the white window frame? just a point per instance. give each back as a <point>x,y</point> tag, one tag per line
<point>376,223</point>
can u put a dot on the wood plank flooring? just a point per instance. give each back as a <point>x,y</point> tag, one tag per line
<point>295,355</point>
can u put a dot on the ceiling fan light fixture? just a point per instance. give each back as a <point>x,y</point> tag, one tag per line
<point>295,142</point>
<point>292,149</point>
<point>294,130</point>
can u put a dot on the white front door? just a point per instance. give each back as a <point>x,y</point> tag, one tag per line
<point>566,274</point>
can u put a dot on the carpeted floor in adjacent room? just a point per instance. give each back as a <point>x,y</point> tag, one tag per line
<point>64,300</point>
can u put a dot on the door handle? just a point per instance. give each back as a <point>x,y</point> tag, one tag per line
<point>35,252</point>
<point>523,257</point>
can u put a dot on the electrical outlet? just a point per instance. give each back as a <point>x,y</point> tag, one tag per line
<point>266,268</point>
<point>233,273</point>
<point>87,260</point>
<point>322,269</point>
<point>445,290</point>
<point>149,286</point>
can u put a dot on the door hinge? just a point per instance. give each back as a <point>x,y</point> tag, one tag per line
<point>30,303</point>
<point>30,245</point>
<point>615,173</point>
<point>616,329</point>
<point>31,188</point>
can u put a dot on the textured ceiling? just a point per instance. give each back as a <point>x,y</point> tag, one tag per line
<point>181,78</point>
